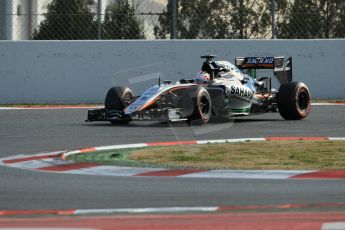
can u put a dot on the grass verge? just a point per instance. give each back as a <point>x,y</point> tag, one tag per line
<point>288,155</point>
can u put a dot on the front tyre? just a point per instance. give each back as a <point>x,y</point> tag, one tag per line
<point>293,101</point>
<point>198,100</point>
<point>118,98</point>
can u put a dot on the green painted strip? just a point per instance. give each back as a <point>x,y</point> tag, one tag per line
<point>245,110</point>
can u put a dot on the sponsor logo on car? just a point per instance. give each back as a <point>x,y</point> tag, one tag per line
<point>241,92</point>
<point>256,60</point>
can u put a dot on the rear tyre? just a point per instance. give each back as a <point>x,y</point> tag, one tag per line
<point>293,100</point>
<point>118,99</point>
<point>197,101</point>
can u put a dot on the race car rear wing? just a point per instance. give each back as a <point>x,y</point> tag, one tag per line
<point>282,68</point>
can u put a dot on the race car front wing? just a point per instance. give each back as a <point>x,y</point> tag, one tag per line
<point>165,115</point>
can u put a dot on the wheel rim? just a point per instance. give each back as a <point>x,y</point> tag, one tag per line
<point>204,105</point>
<point>126,99</point>
<point>303,100</point>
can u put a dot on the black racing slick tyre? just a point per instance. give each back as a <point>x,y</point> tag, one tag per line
<point>198,101</point>
<point>293,101</point>
<point>118,99</point>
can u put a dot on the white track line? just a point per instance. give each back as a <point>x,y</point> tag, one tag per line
<point>248,174</point>
<point>118,171</point>
<point>333,226</point>
<point>147,210</point>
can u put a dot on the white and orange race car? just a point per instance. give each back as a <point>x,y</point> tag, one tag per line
<point>220,91</point>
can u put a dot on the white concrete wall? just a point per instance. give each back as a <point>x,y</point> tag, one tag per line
<point>82,71</point>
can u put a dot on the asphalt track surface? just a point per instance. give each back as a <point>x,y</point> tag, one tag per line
<point>35,131</point>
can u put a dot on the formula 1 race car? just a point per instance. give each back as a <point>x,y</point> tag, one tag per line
<point>221,90</point>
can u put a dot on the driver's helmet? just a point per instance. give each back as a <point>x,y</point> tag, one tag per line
<point>201,77</point>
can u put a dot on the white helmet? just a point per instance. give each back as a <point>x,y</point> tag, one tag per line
<point>201,77</point>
